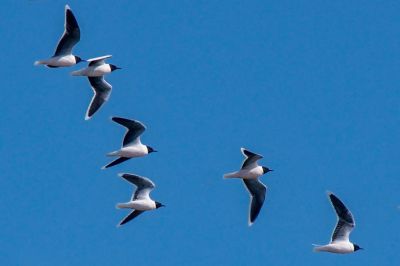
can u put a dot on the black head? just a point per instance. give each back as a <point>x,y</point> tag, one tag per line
<point>78,59</point>
<point>356,247</point>
<point>114,67</point>
<point>266,170</point>
<point>158,205</point>
<point>150,149</point>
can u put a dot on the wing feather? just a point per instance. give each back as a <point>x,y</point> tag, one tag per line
<point>71,35</point>
<point>257,192</point>
<point>345,223</point>
<point>251,159</point>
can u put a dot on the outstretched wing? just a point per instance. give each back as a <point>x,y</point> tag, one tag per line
<point>257,192</point>
<point>71,35</point>
<point>144,185</point>
<point>135,129</point>
<point>102,90</point>
<point>345,222</point>
<point>98,60</point>
<point>130,217</point>
<point>251,158</point>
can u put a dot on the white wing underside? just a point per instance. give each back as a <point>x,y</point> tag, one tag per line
<point>133,143</point>
<point>98,60</point>
<point>142,194</point>
<point>250,162</point>
<point>341,232</point>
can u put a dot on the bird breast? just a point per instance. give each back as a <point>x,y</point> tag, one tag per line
<point>340,247</point>
<point>65,60</point>
<point>143,205</point>
<point>98,71</point>
<point>252,173</point>
<point>134,151</point>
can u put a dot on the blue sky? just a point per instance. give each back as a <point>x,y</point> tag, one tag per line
<point>311,85</point>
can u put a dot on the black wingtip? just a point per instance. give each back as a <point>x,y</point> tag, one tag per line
<point>115,162</point>
<point>249,153</point>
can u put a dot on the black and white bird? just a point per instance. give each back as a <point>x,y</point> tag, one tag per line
<point>95,72</point>
<point>340,242</point>
<point>131,145</point>
<point>63,56</point>
<point>140,200</point>
<point>249,173</point>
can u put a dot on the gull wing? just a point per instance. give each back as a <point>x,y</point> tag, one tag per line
<point>251,159</point>
<point>98,60</point>
<point>130,217</point>
<point>135,129</point>
<point>257,192</point>
<point>71,35</point>
<point>102,90</point>
<point>345,223</point>
<point>144,185</point>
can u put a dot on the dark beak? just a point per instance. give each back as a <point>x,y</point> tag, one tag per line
<point>118,67</point>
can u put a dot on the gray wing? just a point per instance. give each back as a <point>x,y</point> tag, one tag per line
<point>251,158</point>
<point>144,185</point>
<point>71,35</point>
<point>345,222</point>
<point>98,60</point>
<point>130,217</point>
<point>257,191</point>
<point>135,129</point>
<point>102,91</point>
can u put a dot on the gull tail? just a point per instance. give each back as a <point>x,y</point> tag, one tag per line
<point>39,62</point>
<point>120,205</point>
<point>231,175</point>
<point>113,153</point>
<point>317,248</point>
<point>77,73</point>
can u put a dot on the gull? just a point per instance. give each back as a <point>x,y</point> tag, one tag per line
<point>140,200</point>
<point>131,145</point>
<point>63,56</point>
<point>340,242</point>
<point>249,173</point>
<point>95,71</point>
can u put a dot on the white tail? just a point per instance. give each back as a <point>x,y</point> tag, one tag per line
<point>120,205</point>
<point>230,175</point>
<point>113,154</point>
<point>39,62</point>
<point>76,73</point>
<point>317,248</point>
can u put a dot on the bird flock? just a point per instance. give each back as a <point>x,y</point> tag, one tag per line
<point>250,171</point>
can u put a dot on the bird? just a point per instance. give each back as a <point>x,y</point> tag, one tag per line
<point>63,56</point>
<point>140,200</point>
<point>131,145</point>
<point>95,71</point>
<point>250,173</point>
<point>340,242</point>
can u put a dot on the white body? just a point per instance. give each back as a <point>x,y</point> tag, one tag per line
<point>93,71</point>
<point>341,247</point>
<point>139,204</point>
<point>58,61</point>
<point>132,151</point>
<point>247,173</point>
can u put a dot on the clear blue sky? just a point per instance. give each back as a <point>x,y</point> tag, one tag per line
<point>311,85</point>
